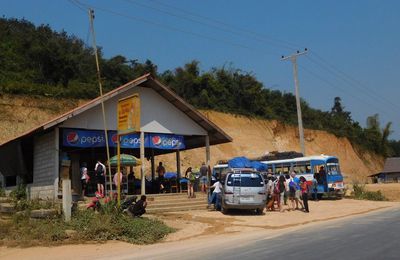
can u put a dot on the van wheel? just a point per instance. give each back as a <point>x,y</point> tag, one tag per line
<point>259,211</point>
<point>224,210</point>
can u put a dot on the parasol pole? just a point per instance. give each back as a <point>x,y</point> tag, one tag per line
<point>118,171</point>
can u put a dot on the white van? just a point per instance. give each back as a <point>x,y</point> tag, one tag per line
<point>243,189</point>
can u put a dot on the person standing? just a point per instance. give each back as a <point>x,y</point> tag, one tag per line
<point>100,171</point>
<point>203,177</point>
<point>304,193</point>
<point>84,178</point>
<point>161,171</point>
<point>191,177</point>
<point>282,187</point>
<point>270,192</point>
<point>315,189</point>
<point>297,194</point>
<point>115,179</point>
<point>320,175</point>
<point>216,195</point>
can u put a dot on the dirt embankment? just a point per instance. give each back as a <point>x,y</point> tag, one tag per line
<point>256,137</point>
<point>251,137</point>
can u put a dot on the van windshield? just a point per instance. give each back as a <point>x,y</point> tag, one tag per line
<point>245,180</point>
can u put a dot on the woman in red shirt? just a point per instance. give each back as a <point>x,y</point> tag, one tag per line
<point>304,193</point>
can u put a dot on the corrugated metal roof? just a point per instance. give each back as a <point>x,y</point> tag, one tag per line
<point>392,165</point>
<point>216,134</point>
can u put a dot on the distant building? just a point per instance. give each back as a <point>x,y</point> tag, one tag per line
<point>391,171</point>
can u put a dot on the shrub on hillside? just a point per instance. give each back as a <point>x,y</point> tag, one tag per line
<point>362,194</point>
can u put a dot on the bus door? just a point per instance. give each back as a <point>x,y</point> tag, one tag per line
<point>320,175</point>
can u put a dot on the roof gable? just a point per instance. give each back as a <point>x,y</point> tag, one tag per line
<point>392,165</point>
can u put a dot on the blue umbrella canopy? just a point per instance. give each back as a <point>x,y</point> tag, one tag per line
<point>125,160</point>
<point>170,175</point>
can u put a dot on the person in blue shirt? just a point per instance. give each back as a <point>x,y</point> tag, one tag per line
<point>297,195</point>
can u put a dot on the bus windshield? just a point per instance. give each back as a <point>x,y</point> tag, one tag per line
<point>333,169</point>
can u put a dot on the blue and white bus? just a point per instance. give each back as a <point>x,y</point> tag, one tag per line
<point>331,179</point>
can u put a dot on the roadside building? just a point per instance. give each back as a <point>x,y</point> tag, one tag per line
<point>390,172</point>
<point>168,123</point>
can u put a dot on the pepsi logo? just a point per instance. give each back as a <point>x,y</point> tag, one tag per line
<point>156,140</point>
<point>114,138</point>
<point>72,137</point>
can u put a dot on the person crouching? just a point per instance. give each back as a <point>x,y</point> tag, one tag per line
<point>139,208</point>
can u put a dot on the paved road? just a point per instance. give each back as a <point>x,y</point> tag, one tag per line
<point>368,236</point>
<point>371,236</point>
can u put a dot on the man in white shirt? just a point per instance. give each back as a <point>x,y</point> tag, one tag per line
<point>216,195</point>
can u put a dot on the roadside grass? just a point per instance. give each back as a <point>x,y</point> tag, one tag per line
<point>361,193</point>
<point>86,226</point>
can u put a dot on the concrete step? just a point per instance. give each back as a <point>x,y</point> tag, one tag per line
<point>7,208</point>
<point>5,200</point>
<point>177,201</point>
<point>175,208</point>
<point>174,198</point>
<point>171,204</point>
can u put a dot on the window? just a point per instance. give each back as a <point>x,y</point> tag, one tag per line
<point>333,169</point>
<point>245,180</point>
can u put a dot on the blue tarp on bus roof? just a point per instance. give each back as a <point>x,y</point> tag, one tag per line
<point>258,166</point>
<point>243,162</point>
<point>239,162</point>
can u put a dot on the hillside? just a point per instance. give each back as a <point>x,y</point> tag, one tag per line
<point>254,137</point>
<point>251,137</point>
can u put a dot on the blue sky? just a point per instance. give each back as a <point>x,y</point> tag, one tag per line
<point>354,45</point>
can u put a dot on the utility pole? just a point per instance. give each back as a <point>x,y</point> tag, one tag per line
<point>293,59</point>
<point>91,17</point>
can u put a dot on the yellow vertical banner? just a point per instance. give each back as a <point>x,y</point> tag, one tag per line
<point>129,114</point>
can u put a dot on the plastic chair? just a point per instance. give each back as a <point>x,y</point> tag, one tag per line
<point>173,185</point>
<point>183,183</point>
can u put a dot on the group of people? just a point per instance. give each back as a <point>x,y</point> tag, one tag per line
<point>288,188</point>
<point>99,178</point>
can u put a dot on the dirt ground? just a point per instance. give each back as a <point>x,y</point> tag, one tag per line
<point>206,226</point>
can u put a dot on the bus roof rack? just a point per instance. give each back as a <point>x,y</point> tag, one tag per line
<point>275,155</point>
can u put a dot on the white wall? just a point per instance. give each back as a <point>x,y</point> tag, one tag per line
<point>45,165</point>
<point>157,115</point>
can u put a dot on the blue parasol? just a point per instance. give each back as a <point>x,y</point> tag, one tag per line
<point>170,175</point>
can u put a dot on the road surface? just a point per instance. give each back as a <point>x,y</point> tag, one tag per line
<point>369,236</point>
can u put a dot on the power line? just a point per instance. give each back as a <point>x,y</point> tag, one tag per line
<point>347,78</point>
<point>289,45</point>
<point>77,4</point>
<point>228,28</point>
<point>335,87</point>
<point>374,96</point>
<point>171,28</point>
